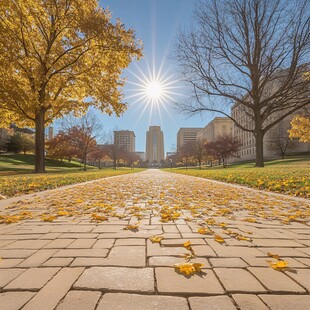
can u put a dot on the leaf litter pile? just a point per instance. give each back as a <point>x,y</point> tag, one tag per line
<point>215,209</point>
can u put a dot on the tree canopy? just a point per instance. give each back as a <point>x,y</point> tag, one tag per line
<point>60,56</point>
<point>248,54</point>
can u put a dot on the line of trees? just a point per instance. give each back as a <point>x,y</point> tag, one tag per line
<point>78,139</point>
<point>202,151</point>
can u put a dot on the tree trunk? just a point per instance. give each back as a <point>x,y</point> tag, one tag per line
<point>259,139</point>
<point>39,142</point>
<point>85,160</point>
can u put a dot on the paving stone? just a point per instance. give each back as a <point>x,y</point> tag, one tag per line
<point>79,300</point>
<point>154,249</point>
<point>276,243</point>
<point>58,262</point>
<point>169,281</point>
<point>275,281</point>
<point>51,236</point>
<point>180,242</point>
<point>169,261</point>
<point>288,302</point>
<point>233,251</point>
<point>120,301</point>
<point>119,242</point>
<point>303,260</point>
<point>10,262</point>
<point>78,236</point>
<point>82,244</point>
<point>15,253</point>
<point>38,258</point>
<point>82,253</point>
<point>55,290</point>
<point>27,244</point>
<point>249,302</point>
<point>7,275</point>
<point>283,252</point>
<point>117,279</point>
<point>59,243</point>
<point>88,262</point>
<point>128,256</point>
<point>103,244</point>
<point>302,276</point>
<point>73,228</point>
<point>192,236</point>
<point>262,262</point>
<point>170,229</point>
<point>211,303</point>
<point>14,300</point>
<point>108,228</point>
<point>238,280</point>
<point>203,250</point>
<point>32,279</point>
<point>184,229</point>
<point>232,262</point>
<point>305,250</point>
<point>20,237</point>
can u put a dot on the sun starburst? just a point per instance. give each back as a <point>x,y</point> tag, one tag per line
<point>155,92</point>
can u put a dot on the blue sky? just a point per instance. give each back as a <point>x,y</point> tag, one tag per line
<point>156,23</point>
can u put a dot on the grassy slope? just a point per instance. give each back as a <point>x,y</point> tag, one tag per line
<point>20,163</point>
<point>16,177</point>
<point>289,176</point>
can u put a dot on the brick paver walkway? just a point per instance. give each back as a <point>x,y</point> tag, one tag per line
<point>82,261</point>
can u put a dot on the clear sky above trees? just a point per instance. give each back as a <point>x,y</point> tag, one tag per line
<point>156,23</point>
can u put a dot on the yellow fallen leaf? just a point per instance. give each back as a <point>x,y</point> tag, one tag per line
<point>218,239</point>
<point>155,239</point>
<point>187,245</point>
<point>189,268</point>
<point>48,218</point>
<point>98,218</point>
<point>188,256</point>
<point>241,238</point>
<point>205,231</point>
<point>131,227</point>
<point>62,213</point>
<point>276,256</point>
<point>223,224</point>
<point>280,264</point>
<point>250,220</point>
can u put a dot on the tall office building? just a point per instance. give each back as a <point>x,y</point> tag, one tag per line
<point>125,139</point>
<point>154,145</point>
<point>186,135</point>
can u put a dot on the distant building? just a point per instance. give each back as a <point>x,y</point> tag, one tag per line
<point>49,133</point>
<point>168,154</point>
<point>125,139</point>
<point>141,155</point>
<point>154,145</point>
<point>219,126</point>
<point>275,135</point>
<point>186,135</point>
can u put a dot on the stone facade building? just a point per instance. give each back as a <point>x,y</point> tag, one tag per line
<point>186,135</point>
<point>154,145</point>
<point>219,126</point>
<point>125,139</point>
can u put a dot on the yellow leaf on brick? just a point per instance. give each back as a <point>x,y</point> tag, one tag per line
<point>156,239</point>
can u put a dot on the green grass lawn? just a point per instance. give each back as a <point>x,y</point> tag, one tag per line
<point>20,163</point>
<point>288,176</point>
<point>16,177</point>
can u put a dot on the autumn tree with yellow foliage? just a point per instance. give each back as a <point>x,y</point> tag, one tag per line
<point>301,123</point>
<point>57,57</point>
